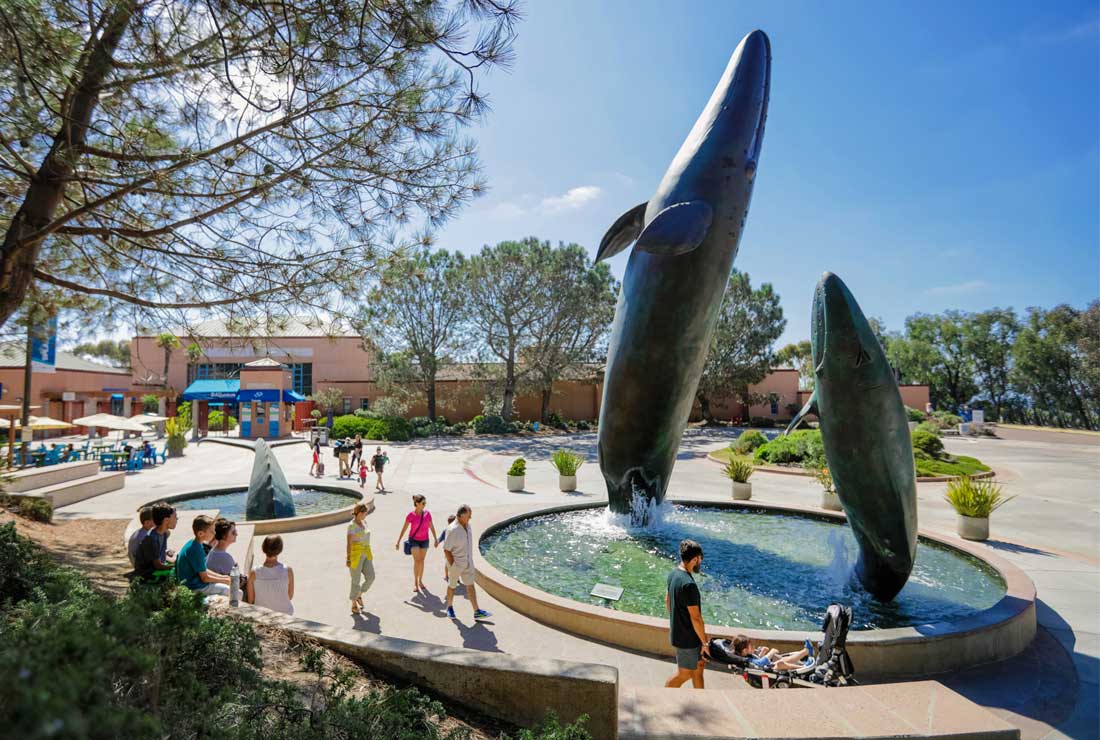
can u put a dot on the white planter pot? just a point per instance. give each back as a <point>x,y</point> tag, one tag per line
<point>972,527</point>
<point>515,482</point>
<point>567,482</point>
<point>913,426</point>
<point>830,501</point>
<point>741,491</point>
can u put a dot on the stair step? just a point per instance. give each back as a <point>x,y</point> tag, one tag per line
<point>69,492</point>
<point>30,479</point>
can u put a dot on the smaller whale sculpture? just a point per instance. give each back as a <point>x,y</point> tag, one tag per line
<point>866,435</point>
<point>268,492</point>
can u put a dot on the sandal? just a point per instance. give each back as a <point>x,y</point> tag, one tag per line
<point>355,609</point>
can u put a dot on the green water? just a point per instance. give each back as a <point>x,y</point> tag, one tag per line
<point>760,570</point>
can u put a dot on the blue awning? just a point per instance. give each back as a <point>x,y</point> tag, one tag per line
<point>292,397</point>
<point>212,390</point>
<point>116,395</point>
<point>268,395</point>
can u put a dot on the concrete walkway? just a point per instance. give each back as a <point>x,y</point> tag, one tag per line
<point>1051,531</point>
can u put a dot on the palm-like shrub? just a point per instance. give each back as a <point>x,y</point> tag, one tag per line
<point>975,498</point>
<point>519,467</point>
<point>749,440</point>
<point>739,469</point>
<point>566,462</point>
<point>177,439</point>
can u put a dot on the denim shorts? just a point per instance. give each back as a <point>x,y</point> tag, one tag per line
<point>422,544</point>
<point>688,658</point>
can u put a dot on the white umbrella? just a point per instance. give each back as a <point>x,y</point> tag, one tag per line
<point>37,422</point>
<point>110,421</point>
<point>148,418</point>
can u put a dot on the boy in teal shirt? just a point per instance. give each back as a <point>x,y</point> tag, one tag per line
<point>191,562</point>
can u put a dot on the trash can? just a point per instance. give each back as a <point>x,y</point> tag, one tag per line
<point>313,435</point>
<point>323,435</point>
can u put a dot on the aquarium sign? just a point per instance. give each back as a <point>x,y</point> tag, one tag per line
<point>605,591</point>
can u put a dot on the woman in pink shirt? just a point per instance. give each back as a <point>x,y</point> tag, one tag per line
<point>419,525</point>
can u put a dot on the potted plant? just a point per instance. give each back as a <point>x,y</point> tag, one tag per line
<point>829,499</point>
<point>566,462</point>
<point>516,474</point>
<point>739,470</point>
<point>177,439</point>
<point>973,502</point>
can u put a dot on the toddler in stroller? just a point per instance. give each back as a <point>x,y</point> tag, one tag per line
<point>831,666</point>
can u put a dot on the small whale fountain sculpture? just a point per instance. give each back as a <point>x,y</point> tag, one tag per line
<point>268,492</point>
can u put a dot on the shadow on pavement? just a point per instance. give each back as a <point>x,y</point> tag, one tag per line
<point>367,623</point>
<point>1015,548</point>
<point>478,637</point>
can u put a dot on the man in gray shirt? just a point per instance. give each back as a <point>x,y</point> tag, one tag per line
<point>458,548</point>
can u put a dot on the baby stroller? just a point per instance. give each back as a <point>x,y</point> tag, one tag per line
<point>831,666</point>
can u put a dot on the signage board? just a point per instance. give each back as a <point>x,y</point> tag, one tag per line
<point>977,416</point>
<point>246,412</point>
<point>606,591</point>
<point>44,349</point>
<point>68,395</point>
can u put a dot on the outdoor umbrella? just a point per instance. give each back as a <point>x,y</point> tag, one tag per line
<point>37,422</point>
<point>110,421</point>
<point>148,418</point>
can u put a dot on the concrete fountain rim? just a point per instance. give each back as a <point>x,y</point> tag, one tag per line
<point>1001,631</point>
<point>287,524</point>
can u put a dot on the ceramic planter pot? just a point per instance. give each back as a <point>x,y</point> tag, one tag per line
<point>972,527</point>
<point>515,482</point>
<point>741,491</point>
<point>913,426</point>
<point>567,482</point>
<point>830,501</point>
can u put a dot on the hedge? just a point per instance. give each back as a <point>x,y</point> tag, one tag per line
<point>390,428</point>
<point>803,447</point>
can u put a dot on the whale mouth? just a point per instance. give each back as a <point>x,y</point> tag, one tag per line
<point>762,115</point>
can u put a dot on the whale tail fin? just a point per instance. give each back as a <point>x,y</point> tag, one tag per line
<point>809,408</point>
<point>624,231</point>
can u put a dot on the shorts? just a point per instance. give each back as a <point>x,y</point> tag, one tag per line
<point>457,573</point>
<point>689,658</point>
<point>422,544</point>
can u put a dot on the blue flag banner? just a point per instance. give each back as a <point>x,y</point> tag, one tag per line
<point>44,349</point>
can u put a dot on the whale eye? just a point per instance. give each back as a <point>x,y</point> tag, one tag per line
<point>750,170</point>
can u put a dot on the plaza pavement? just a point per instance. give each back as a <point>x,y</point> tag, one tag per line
<point>1050,530</point>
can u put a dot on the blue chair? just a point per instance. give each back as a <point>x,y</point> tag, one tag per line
<point>53,457</point>
<point>136,463</point>
<point>161,455</point>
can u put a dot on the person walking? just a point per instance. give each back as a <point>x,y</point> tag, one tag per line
<point>356,451</point>
<point>686,629</point>
<point>360,559</point>
<point>378,462</point>
<point>419,524</point>
<point>459,551</point>
<point>316,468</point>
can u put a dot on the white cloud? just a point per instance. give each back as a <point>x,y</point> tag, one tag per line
<point>573,199</point>
<point>968,287</point>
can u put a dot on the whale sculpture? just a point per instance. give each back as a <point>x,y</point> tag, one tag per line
<point>686,238</point>
<point>866,436</point>
<point>268,493</point>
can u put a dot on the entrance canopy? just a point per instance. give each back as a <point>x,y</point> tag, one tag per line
<point>230,390</point>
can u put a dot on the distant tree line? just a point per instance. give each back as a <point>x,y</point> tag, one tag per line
<point>1040,368</point>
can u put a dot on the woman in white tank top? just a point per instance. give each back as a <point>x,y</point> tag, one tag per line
<point>272,584</point>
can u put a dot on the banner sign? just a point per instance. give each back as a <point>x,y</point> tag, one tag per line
<point>44,349</point>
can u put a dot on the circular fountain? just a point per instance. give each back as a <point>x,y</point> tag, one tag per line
<point>769,572</point>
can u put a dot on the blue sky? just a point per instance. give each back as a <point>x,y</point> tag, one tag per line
<point>934,155</point>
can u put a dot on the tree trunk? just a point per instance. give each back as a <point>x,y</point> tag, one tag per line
<point>544,412</point>
<point>22,241</point>
<point>509,389</point>
<point>431,399</point>
<point>167,359</point>
<point>704,407</point>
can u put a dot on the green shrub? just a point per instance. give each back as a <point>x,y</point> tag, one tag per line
<point>748,441</point>
<point>556,421</point>
<point>519,467</point>
<point>739,469</point>
<point>389,428</point>
<point>566,462</point>
<point>457,429</point>
<point>928,443</point>
<point>824,477</point>
<point>493,424</point>
<point>914,415</point>
<point>948,465</point>
<point>800,447</point>
<point>177,437</point>
<point>551,729</point>
<point>763,422</point>
<point>930,427</point>
<point>38,509</point>
<point>150,403</point>
<point>216,421</point>
<point>946,419</point>
<point>977,498</point>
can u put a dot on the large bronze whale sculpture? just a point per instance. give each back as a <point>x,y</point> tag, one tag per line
<point>866,435</point>
<point>686,238</point>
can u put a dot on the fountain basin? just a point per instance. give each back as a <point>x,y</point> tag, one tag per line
<point>317,506</point>
<point>985,633</point>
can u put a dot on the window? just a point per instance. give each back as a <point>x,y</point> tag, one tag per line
<point>347,405</point>
<point>773,398</point>
<point>364,403</point>
<point>213,370</point>
<point>302,373</point>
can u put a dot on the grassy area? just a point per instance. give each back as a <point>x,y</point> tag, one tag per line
<point>928,467</point>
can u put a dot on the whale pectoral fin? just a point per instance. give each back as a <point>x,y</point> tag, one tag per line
<point>625,230</point>
<point>677,229</point>
<point>809,408</point>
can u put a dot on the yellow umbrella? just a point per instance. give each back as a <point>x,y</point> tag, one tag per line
<point>37,422</point>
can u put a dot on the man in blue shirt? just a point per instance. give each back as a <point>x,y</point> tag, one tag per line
<point>191,562</point>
